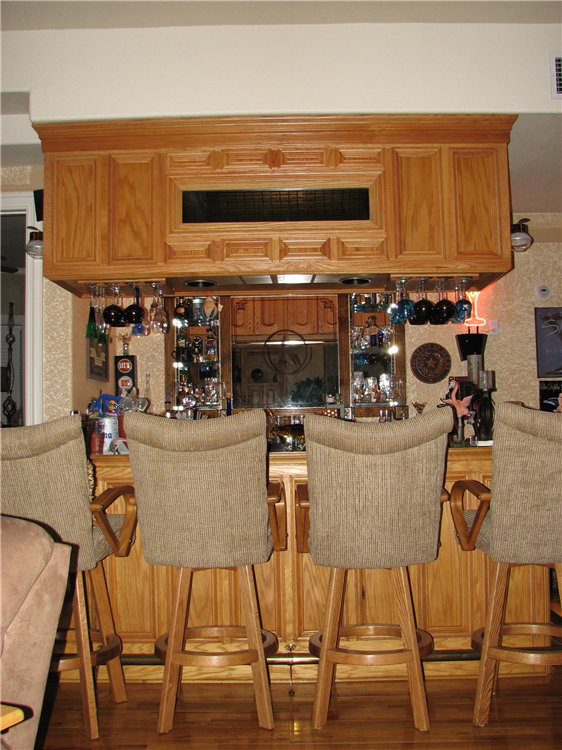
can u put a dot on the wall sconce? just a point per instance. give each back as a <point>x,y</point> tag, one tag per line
<point>521,240</point>
<point>474,321</point>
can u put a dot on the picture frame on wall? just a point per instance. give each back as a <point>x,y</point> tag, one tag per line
<point>550,395</point>
<point>97,360</point>
<point>548,333</point>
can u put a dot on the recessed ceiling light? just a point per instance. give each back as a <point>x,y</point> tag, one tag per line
<point>200,283</point>
<point>355,281</point>
<point>294,278</point>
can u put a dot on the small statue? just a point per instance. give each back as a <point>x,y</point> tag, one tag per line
<point>461,406</point>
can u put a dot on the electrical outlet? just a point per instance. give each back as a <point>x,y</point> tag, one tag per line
<point>493,327</point>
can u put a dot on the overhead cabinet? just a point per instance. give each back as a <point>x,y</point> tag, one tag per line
<point>382,195</point>
<point>103,216</point>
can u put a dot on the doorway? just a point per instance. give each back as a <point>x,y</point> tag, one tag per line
<point>18,213</point>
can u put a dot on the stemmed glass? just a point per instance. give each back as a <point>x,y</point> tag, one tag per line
<point>404,308</point>
<point>100,322</point>
<point>463,307</point>
<point>423,306</point>
<point>160,323</point>
<point>134,313</point>
<point>114,314</point>
<point>444,308</point>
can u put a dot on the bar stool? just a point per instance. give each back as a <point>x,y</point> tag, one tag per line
<point>518,522</point>
<point>374,497</point>
<point>44,473</point>
<point>204,502</point>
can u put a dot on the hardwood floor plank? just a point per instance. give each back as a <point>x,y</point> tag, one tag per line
<point>526,714</point>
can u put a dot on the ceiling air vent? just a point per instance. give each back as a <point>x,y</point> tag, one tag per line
<point>556,74</point>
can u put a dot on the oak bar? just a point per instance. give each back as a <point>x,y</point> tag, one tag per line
<point>450,594</point>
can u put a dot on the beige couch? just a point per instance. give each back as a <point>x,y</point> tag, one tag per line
<point>34,573</point>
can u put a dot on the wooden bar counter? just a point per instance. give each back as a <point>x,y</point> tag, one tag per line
<point>450,594</point>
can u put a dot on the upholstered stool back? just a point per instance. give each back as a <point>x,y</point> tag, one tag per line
<point>375,490</point>
<point>524,523</point>
<point>45,478</point>
<point>197,481</point>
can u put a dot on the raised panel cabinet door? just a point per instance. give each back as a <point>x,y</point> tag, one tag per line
<point>302,315</point>
<point>136,210</point>
<point>75,215</point>
<point>328,316</point>
<point>415,207</point>
<point>269,315</point>
<point>476,189</point>
<point>242,317</point>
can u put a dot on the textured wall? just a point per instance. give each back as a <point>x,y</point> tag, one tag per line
<point>511,301</point>
<point>58,355</point>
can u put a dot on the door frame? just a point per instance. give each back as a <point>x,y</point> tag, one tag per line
<point>23,203</point>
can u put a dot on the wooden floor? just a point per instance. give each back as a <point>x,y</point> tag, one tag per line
<point>526,715</point>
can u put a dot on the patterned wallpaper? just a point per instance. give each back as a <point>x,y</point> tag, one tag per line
<point>510,301</point>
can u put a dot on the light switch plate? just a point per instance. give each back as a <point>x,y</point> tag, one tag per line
<point>493,327</point>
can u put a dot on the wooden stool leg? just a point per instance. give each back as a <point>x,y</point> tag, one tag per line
<point>176,639</point>
<point>409,638</point>
<point>260,673</point>
<point>332,618</point>
<point>492,635</point>
<point>107,628</point>
<point>83,647</point>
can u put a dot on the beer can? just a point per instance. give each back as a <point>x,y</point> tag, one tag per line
<point>110,428</point>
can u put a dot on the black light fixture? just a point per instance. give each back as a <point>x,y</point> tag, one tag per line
<point>521,240</point>
<point>355,281</point>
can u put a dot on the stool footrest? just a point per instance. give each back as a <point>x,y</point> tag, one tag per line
<point>372,657</point>
<point>216,658</point>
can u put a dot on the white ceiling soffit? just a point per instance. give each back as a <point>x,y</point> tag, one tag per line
<point>535,163</point>
<point>21,15</point>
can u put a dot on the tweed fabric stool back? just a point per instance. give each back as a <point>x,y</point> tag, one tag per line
<point>524,523</point>
<point>45,478</point>
<point>201,489</point>
<point>375,490</point>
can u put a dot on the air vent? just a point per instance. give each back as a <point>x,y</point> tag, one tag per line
<point>556,74</point>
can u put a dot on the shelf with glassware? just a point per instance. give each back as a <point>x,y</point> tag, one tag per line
<point>196,356</point>
<point>377,387</point>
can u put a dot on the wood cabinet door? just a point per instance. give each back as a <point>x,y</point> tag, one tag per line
<point>415,205</point>
<point>328,316</point>
<point>242,311</point>
<point>301,315</point>
<point>136,210</point>
<point>75,215</point>
<point>477,206</point>
<point>269,315</point>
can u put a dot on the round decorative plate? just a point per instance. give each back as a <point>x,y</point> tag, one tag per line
<point>430,363</point>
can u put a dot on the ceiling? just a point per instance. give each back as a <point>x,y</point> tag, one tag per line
<point>21,15</point>
<point>535,150</point>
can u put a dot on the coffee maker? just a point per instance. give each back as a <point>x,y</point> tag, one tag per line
<point>480,383</point>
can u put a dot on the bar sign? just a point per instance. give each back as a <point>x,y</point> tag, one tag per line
<point>125,372</point>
